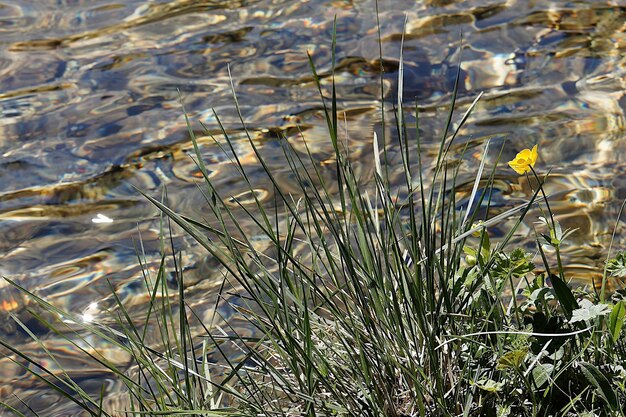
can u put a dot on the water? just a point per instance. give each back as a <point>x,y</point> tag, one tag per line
<point>90,109</point>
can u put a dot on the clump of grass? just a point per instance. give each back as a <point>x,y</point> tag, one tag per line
<point>394,308</point>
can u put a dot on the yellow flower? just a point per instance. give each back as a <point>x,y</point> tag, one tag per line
<point>477,233</point>
<point>524,160</point>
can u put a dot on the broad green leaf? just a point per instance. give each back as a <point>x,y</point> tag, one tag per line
<point>616,267</point>
<point>541,295</point>
<point>564,295</point>
<point>589,311</point>
<point>512,359</point>
<point>541,373</point>
<point>489,385</point>
<point>602,385</point>
<point>616,319</point>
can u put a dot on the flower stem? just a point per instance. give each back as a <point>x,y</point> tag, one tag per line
<point>553,225</point>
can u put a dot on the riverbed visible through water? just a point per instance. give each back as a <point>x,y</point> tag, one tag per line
<point>90,104</point>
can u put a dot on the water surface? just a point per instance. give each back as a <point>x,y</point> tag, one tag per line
<point>90,104</point>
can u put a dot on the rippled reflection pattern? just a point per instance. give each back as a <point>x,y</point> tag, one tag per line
<point>89,98</point>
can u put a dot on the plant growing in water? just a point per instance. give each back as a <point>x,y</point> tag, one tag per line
<point>395,308</point>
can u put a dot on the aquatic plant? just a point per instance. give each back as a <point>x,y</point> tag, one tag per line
<point>401,305</point>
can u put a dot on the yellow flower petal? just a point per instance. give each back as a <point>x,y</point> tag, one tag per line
<point>524,160</point>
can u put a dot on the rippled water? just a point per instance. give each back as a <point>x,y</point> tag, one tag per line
<point>90,108</point>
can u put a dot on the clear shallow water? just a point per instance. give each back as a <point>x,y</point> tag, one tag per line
<point>90,108</point>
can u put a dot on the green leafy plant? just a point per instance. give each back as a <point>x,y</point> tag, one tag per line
<point>380,298</point>
<point>616,267</point>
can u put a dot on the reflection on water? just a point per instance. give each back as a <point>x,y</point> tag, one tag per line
<point>90,109</point>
